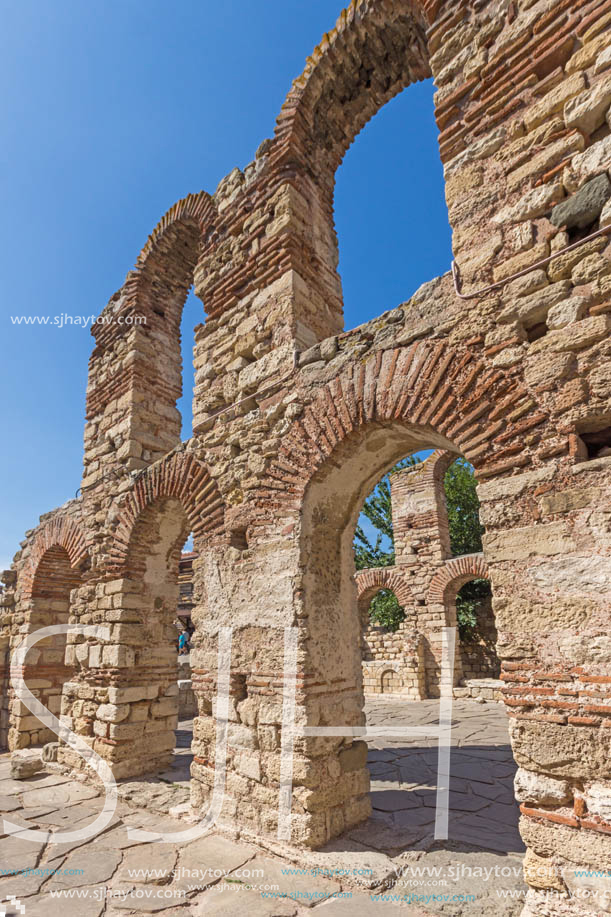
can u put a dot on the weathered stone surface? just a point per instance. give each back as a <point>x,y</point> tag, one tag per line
<point>595,889</point>
<point>515,484</point>
<point>353,758</point>
<point>587,110</point>
<point>225,903</point>
<point>534,540</point>
<point>25,763</point>
<point>568,311</point>
<point>563,843</point>
<point>541,872</point>
<point>534,308</point>
<point>554,100</point>
<point>47,906</point>
<point>598,798</point>
<point>593,161</point>
<point>533,204</point>
<point>538,789</point>
<point>529,616</point>
<point>583,207</point>
<point>573,574</point>
<point>561,751</point>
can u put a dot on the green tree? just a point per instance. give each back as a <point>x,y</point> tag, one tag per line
<point>465,538</point>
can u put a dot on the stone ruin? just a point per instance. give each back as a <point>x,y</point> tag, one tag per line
<point>506,362</point>
<point>425,579</point>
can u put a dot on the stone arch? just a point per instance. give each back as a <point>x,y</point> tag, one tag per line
<point>369,582</point>
<point>60,532</point>
<point>354,427</point>
<point>374,51</point>
<point>456,572</point>
<point>137,351</point>
<point>448,391</point>
<point>183,477</point>
<point>54,571</point>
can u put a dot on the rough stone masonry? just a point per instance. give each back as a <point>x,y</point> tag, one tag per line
<point>295,420</point>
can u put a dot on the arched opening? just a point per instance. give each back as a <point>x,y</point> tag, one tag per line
<point>192,316</point>
<point>46,670</point>
<point>402,771</point>
<point>147,703</point>
<point>478,636</point>
<point>386,251</point>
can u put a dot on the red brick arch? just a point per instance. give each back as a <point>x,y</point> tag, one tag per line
<point>456,572</point>
<point>369,582</point>
<point>376,49</point>
<point>178,233</point>
<point>184,478</point>
<point>59,532</point>
<point>152,300</point>
<point>450,391</point>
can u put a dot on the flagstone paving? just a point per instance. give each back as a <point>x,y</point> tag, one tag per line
<point>389,865</point>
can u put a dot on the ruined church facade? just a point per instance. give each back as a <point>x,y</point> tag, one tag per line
<point>506,362</point>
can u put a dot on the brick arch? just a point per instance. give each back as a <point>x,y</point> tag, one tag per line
<point>177,235</point>
<point>456,572</point>
<point>61,532</point>
<point>448,390</point>
<point>376,49</point>
<point>369,582</point>
<point>150,305</point>
<point>183,478</point>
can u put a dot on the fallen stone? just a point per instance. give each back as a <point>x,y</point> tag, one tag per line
<point>49,752</point>
<point>25,763</point>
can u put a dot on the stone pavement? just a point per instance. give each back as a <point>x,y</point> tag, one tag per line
<point>390,865</point>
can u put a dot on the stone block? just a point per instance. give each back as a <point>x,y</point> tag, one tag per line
<point>528,541</point>
<point>586,112</point>
<point>540,790</point>
<point>574,574</point>
<point>113,713</point>
<point>533,204</point>
<point>584,206</point>
<point>25,763</point>
<point>353,758</point>
<point>573,752</point>
<point>542,872</point>
<point>588,164</point>
<point>565,501</point>
<point>554,100</point>
<point>567,311</point>
<point>598,799</point>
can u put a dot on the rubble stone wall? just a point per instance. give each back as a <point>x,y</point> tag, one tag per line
<point>296,420</point>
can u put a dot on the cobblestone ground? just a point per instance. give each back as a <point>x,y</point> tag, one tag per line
<point>390,865</point>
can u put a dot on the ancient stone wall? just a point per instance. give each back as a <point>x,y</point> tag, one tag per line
<point>295,420</point>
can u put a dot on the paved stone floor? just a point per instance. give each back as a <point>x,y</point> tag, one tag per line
<point>390,865</point>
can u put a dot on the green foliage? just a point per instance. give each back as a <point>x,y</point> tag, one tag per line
<point>465,538</point>
<point>463,509</point>
<point>385,610</point>
<point>468,601</point>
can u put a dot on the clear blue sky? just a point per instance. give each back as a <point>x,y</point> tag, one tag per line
<point>113,111</point>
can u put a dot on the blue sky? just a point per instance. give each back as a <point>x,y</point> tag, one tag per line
<point>111,112</point>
